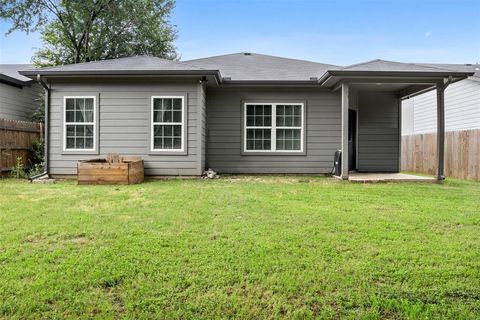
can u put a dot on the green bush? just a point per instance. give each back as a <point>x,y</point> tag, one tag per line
<point>18,170</point>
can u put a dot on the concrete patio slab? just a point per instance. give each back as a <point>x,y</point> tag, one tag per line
<point>388,177</point>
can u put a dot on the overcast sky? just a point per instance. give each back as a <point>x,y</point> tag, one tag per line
<point>336,32</point>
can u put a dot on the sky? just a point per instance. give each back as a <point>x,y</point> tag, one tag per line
<point>340,32</point>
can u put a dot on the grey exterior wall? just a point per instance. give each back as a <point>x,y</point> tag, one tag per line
<point>462,109</point>
<point>225,127</point>
<point>378,132</point>
<point>16,103</point>
<point>124,122</point>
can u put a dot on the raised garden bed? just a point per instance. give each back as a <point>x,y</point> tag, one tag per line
<point>113,170</point>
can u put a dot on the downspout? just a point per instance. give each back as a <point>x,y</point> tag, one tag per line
<point>46,138</point>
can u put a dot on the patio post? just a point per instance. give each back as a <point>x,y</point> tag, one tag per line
<point>441,131</point>
<point>345,103</point>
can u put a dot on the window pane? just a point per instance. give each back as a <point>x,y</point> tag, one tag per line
<point>250,110</point>
<point>79,116</point>
<point>177,116</point>
<point>70,143</point>
<point>70,116</point>
<point>79,143</point>
<point>79,131</point>
<point>167,104</point>
<point>79,104</point>
<point>167,116</point>
<point>177,131</point>
<point>88,116</point>
<point>89,130</point>
<point>157,116</point>
<point>167,143</point>
<point>157,104</point>
<point>69,104</point>
<point>177,104</point>
<point>88,104</point>
<point>89,143</point>
<point>70,131</point>
<point>177,143</point>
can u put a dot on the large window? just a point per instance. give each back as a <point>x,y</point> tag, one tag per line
<point>79,124</point>
<point>168,124</point>
<point>273,127</point>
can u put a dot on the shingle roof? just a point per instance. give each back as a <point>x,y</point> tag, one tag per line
<point>456,67</point>
<point>392,66</point>
<point>246,66</point>
<point>11,71</point>
<point>136,63</point>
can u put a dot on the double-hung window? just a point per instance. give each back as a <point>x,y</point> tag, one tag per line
<point>79,125</point>
<point>273,127</point>
<point>168,123</point>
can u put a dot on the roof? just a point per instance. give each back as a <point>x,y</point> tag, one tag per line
<point>9,73</point>
<point>457,67</point>
<point>392,66</point>
<point>247,66</point>
<point>127,65</point>
<point>250,68</point>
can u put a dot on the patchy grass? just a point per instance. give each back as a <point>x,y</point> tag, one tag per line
<point>241,247</point>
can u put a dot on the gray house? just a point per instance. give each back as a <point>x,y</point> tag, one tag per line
<point>462,105</point>
<point>19,95</point>
<point>237,113</point>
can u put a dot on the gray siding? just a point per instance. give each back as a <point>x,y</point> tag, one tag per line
<point>124,122</point>
<point>224,141</point>
<point>16,103</point>
<point>462,109</point>
<point>378,132</point>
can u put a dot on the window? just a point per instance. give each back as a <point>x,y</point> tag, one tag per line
<point>273,127</point>
<point>167,124</point>
<point>79,124</point>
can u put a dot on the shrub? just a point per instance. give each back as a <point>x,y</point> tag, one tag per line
<point>18,170</point>
<point>35,169</point>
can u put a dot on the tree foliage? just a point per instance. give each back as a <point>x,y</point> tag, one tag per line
<point>90,30</point>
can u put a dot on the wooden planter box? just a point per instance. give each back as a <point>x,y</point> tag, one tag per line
<point>129,170</point>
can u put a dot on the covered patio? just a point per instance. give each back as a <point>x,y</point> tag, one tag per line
<point>371,116</point>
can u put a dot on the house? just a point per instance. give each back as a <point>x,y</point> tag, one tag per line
<point>462,105</point>
<point>19,95</point>
<point>236,113</point>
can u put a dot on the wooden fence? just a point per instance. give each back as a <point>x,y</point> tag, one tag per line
<point>16,138</point>
<point>462,154</point>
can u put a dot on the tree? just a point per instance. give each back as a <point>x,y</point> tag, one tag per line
<point>90,30</point>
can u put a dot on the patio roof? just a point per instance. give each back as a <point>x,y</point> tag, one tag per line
<point>382,71</point>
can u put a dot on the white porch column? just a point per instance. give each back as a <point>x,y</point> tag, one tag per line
<point>441,131</point>
<point>345,96</point>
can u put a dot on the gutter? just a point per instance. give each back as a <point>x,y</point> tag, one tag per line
<point>46,138</point>
<point>447,83</point>
<point>32,73</point>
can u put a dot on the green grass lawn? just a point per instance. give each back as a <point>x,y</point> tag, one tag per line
<point>240,247</point>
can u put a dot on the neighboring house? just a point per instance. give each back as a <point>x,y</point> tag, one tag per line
<point>237,113</point>
<point>462,105</point>
<point>19,95</point>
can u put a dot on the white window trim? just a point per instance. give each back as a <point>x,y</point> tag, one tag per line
<point>152,124</point>
<point>65,123</point>
<point>273,127</point>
